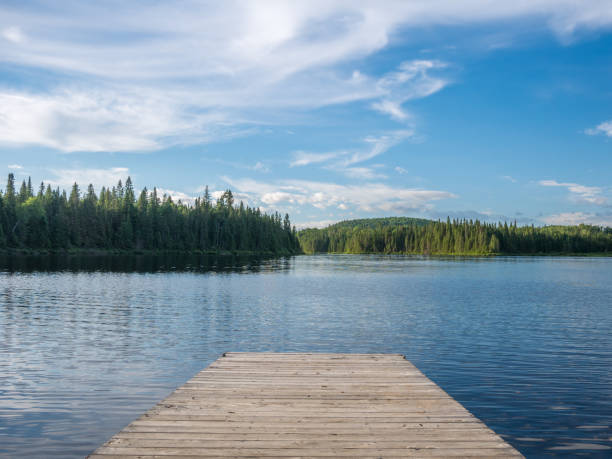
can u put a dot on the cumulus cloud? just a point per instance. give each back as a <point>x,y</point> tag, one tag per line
<point>323,195</point>
<point>604,128</point>
<point>579,193</point>
<point>278,196</point>
<point>141,75</point>
<point>576,218</point>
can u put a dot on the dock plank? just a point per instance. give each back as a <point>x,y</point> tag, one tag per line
<point>307,405</point>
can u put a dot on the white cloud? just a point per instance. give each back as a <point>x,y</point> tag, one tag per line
<point>509,178</point>
<point>344,161</point>
<point>411,81</point>
<point>273,38</point>
<point>603,128</point>
<point>141,75</point>
<point>315,224</point>
<point>99,121</point>
<point>176,195</point>
<point>393,109</point>
<point>400,170</point>
<point>278,196</point>
<point>377,146</point>
<point>84,177</point>
<point>580,193</point>
<point>245,197</point>
<point>576,218</point>
<point>15,166</point>
<point>486,215</point>
<point>260,167</point>
<point>13,34</point>
<point>304,158</point>
<point>323,195</point>
<point>360,172</point>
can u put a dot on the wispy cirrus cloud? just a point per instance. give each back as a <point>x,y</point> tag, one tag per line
<point>579,193</point>
<point>366,173</point>
<point>413,80</point>
<point>139,76</point>
<point>377,145</point>
<point>13,34</point>
<point>305,158</point>
<point>269,38</point>
<point>103,121</point>
<point>345,161</point>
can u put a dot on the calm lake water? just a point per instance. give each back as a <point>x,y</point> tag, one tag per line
<point>87,345</point>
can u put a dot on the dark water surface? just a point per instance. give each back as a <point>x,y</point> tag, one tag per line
<point>87,345</point>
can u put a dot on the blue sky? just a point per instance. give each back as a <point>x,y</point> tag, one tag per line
<point>326,110</point>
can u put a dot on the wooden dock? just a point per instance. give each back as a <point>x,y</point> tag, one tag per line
<point>307,405</point>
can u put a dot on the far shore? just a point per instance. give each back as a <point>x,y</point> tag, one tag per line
<point>248,253</point>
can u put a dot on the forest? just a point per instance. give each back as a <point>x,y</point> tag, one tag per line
<point>376,222</point>
<point>456,237</point>
<point>117,219</point>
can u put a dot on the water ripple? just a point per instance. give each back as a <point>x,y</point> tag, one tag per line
<point>524,343</point>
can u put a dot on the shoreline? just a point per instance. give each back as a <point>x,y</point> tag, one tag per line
<point>250,253</point>
<point>144,252</point>
<point>478,255</point>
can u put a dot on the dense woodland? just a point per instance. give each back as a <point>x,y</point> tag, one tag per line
<point>457,237</point>
<point>378,222</point>
<point>48,218</point>
<point>117,219</point>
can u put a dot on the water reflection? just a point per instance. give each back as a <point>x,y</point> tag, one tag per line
<point>139,263</point>
<point>87,345</point>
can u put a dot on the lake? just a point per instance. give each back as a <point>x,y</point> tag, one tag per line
<point>87,344</point>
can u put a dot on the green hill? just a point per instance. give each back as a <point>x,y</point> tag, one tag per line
<point>405,235</point>
<point>380,222</point>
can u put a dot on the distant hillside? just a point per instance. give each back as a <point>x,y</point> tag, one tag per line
<point>404,235</point>
<point>382,222</point>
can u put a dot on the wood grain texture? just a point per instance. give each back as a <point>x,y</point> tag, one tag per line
<point>307,405</point>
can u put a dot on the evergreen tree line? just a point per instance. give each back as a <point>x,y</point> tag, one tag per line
<point>49,218</point>
<point>458,237</point>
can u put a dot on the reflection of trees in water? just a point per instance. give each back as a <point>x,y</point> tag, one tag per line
<point>146,263</point>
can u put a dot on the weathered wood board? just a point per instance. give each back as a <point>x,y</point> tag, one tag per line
<point>307,405</point>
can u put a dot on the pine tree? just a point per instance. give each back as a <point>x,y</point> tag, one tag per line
<point>10,190</point>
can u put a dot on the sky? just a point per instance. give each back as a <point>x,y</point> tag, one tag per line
<point>327,110</point>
